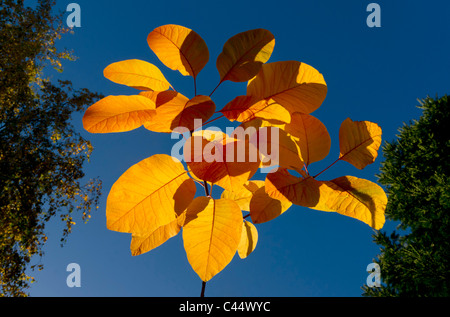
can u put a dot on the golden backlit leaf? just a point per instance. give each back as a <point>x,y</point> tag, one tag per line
<point>211,235</point>
<point>302,191</point>
<point>226,162</point>
<point>277,147</point>
<point>243,194</point>
<point>147,242</point>
<point>137,74</point>
<point>179,48</point>
<point>175,110</point>
<point>249,239</point>
<point>150,194</point>
<point>243,55</point>
<point>264,208</point>
<point>118,114</point>
<point>246,108</point>
<point>296,86</point>
<point>359,142</point>
<point>311,136</point>
<point>354,197</point>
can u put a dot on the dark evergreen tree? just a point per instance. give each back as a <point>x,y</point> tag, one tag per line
<point>415,258</point>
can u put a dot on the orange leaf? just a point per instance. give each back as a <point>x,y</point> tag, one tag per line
<point>243,55</point>
<point>226,162</point>
<point>249,239</point>
<point>296,86</point>
<point>150,194</point>
<point>359,142</point>
<point>145,243</point>
<point>264,208</point>
<point>179,48</point>
<point>175,110</point>
<point>303,191</point>
<point>311,136</point>
<point>118,114</point>
<point>243,194</point>
<point>277,148</point>
<point>211,235</point>
<point>137,74</point>
<point>246,108</point>
<point>354,197</point>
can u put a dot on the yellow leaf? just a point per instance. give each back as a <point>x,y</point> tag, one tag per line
<point>246,108</point>
<point>137,74</point>
<point>175,110</point>
<point>145,243</point>
<point>179,48</point>
<point>211,235</point>
<point>264,208</point>
<point>249,239</point>
<point>277,148</point>
<point>359,142</point>
<point>118,114</point>
<point>354,197</point>
<point>302,191</point>
<point>150,194</point>
<point>226,162</point>
<point>311,136</point>
<point>243,55</point>
<point>296,86</point>
<point>243,194</point>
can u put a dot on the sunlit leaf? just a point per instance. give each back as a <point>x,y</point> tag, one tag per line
<point>302,191</point>
<point>174,110</point>
<point>147,242</point>
<point>226,162</point>
<point>211,235</point>
<point>354,197</point>
<point>150,194</point>
<point>179,48</point>
<point>359,142</point>
<point>118,114</point>
<point>243,194</point>
<point>246,108</point>
<point>296,86</point>
<point>311,136</point>
<point>243,55</point>
<point>264,208</point>
<point>249,239</point>
<point>137,74</point>
<point>277,147</point>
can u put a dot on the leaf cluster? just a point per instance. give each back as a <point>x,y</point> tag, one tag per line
<point>156,198</point>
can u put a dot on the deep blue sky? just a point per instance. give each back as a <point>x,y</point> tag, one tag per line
<point>374,74</point>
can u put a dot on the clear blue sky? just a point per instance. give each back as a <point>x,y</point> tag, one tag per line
<point>374,74</point>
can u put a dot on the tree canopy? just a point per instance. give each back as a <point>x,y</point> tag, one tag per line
<point>415,258</point>
<point>41,153</point>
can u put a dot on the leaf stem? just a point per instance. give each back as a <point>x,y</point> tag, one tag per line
<point>220,83</point>
<point>195,86</point>
<point>212,120</point>
<point>327,167</point>
<point>202,294</point>
<point>205,184</point>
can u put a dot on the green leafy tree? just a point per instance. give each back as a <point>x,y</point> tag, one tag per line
<point>415,259</point>
<point>41,154</point>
